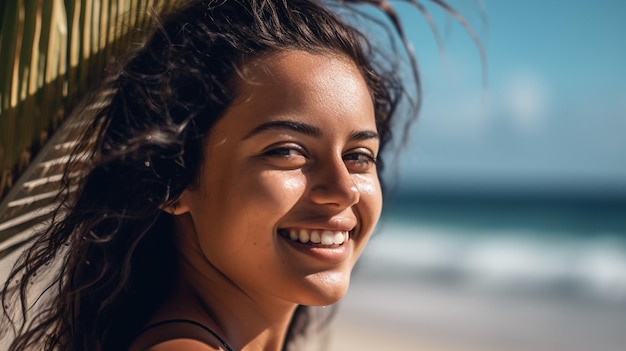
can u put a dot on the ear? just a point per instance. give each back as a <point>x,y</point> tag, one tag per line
<point>178,207</point>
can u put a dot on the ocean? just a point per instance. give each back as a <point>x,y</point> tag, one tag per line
<point>476,272</point>
<point>520,243</point>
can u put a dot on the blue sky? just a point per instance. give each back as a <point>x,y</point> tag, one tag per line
<point>556,111</point>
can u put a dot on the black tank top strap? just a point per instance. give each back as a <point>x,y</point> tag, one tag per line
<point>189,321</point>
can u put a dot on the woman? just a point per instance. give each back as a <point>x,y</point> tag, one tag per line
<point>234,179</point>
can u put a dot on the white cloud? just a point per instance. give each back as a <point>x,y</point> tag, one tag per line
<point>526,101</point>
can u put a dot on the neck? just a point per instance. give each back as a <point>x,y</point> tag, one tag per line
<point>247,320</point>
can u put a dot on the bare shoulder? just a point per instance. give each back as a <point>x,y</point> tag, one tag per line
<point>182,344</point>
<point>178,334</point>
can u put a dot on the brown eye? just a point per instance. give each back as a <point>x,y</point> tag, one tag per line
<point>286,156</point>
<point>283,152</point>
<point>359,162</point>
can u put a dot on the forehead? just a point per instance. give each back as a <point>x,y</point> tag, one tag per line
<point>316,83</point>
<point>299,67</point>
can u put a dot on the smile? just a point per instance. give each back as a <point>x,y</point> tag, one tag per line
<point>317,237</point>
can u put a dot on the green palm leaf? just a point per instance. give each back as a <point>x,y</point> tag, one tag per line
<point>52,51</point>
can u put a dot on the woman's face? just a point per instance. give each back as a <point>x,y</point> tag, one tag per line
<point>288,193</point>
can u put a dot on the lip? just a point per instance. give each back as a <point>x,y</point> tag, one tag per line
<point>333,254</point>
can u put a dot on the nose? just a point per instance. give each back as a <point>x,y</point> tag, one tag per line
<point>332,184</point>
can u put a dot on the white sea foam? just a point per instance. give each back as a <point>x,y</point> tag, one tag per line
<point>504,259</point>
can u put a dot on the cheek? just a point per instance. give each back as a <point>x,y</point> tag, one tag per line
<point>369,208</point>
<point>291,184</point>
<point>368,186</point>
<point>371,195</point>
<point>279,189</point>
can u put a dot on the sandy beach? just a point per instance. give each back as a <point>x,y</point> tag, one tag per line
<point>386,311</point>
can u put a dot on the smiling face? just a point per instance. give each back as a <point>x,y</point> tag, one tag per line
<point>288,194</point>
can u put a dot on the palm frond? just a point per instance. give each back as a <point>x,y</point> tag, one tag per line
<point>52,52</point>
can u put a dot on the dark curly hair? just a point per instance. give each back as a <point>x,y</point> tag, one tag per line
<point>144,148</point>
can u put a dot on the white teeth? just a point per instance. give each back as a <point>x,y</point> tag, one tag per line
<point>315,237</point>
<point>325,237</point>
<point>328,237</point>
<point>339,238</point>
<point>304,236</point>
<point>293,235</point>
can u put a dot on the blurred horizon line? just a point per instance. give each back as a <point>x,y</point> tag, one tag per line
<point>602,193</point>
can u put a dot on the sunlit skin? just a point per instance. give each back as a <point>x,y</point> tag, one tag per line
<point>296,150</point>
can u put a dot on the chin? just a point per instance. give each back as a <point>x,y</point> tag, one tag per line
<point>323,289</point>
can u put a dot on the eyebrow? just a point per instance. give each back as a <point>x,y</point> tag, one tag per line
<point>299,127</point>
<point>363,135</point>
<point>307,129</point>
